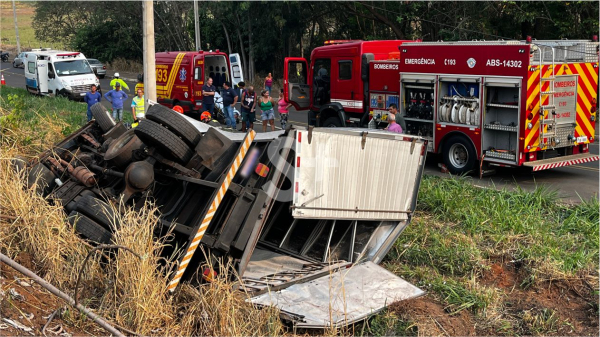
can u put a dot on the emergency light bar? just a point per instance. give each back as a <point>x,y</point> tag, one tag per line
<point>68,54</point>
<point>329,42</point>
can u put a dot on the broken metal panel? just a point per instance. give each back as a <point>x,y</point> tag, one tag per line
<point>385,167</point>
<point>340,298</point>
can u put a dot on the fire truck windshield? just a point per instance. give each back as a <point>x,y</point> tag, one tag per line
<point>72,67</point>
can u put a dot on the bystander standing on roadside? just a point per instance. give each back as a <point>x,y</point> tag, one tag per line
<point>393,110</point>
<point>269,83</point>
<point>137,107</point>
<point>116,98</point>
<point>392,125</point>
<point>230,98</point>
<point>140,83</point>
<point>266,106</point>
<point>282,108</point>
<point>91,97</point>
<point>208,97</point>
<point>248,108</point>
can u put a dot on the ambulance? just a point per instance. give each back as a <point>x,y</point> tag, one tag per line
<point>180,76</point>
<point>58,73</point>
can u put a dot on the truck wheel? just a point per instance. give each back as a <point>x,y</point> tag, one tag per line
<point>175,123</point>
<point>120,151</point>
<point>96,209</point>
<point>43,177</point>
<point>167,143</point>
<point>102,117</point>
<point>332,122</point>
<point>89,229</point>
<point>459,155</point>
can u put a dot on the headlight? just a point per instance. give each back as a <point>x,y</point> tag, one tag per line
<point>66,85</point>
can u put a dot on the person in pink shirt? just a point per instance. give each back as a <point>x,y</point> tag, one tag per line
<point>282,108</point>
<point>269,83</point>
<point>393,126</point>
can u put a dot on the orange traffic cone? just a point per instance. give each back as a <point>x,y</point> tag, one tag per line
<point>3,82</point>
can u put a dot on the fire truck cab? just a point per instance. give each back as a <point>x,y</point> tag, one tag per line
<point>181,75</point>
<point>504,103</point>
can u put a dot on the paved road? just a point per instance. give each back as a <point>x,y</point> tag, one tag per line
<point>572,183</point>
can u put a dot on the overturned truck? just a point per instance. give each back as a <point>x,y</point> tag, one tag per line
<point>305,214</point>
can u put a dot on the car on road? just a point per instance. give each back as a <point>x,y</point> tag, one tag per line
<point>19,60</point>
<point>98,68</point>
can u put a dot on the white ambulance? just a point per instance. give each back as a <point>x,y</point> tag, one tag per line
<point>58,73</point>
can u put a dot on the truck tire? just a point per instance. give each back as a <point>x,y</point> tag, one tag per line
<point>332,122</point>
<point>102,117</point>
<point>89,229</point>
<point>175,123</point>
<point>120,150</point>
<point>96,209</point>
<point>167,143</point>
<point>459,155</point>
<point>45,182</point>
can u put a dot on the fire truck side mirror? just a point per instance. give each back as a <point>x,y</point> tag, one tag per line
<point>366,58</point>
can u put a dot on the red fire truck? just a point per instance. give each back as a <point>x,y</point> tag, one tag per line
<point>507,103</point>
<point>181,75</point>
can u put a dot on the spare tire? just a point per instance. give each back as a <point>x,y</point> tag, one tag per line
<point>175,122</point>
<point>167,143</point>
<point>102,117</point>
<point>97,210</point>
<point>89,229</point>
<point>120,151</point>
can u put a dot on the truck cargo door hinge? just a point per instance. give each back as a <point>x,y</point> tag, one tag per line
<point>364,140</point>
<point>412,145</point>
<point>310,130</point>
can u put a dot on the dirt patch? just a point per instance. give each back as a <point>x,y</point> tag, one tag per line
<point>25,302</point>
<point>501,276</point>
<point>431,318</point>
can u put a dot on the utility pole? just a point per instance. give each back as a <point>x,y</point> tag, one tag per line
<point>16,28</point>
<point>197,25</point>
<point>149,53</point>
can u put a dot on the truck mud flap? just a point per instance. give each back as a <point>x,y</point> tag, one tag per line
<point>341,297</point>
<point>575,159</point>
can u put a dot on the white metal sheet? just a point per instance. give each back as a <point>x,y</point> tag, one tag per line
<point>340,298</point>
<point>336,178</point>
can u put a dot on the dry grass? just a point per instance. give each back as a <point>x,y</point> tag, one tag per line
<point>121,64</point>
<point>128,291</point>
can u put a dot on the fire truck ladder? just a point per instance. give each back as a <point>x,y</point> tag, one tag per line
<point>547,125</point>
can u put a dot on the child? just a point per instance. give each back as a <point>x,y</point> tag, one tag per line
<point>283,107</point>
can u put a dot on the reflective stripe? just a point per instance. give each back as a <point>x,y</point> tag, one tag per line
<point>138,104</point>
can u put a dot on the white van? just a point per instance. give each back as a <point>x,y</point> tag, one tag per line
<point>58,73</point>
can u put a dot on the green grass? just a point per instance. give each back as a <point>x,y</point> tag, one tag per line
<point>29,113</point>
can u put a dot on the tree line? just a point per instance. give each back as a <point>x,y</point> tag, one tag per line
<point>265,32</point>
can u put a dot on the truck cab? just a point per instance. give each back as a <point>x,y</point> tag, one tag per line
<point>335,87</point>
<point>181,75</point>
<point>58,73</point>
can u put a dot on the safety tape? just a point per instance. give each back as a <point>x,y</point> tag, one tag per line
<point>212,210</point>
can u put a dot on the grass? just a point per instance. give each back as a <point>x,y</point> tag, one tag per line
<point>25,12</point>
<point>448,248</point>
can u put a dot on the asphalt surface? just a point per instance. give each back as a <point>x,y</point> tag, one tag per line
<point>573,183</point>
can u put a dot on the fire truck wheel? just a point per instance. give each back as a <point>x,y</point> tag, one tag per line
<point>42,178</point>
<point>96,209</point>
<point>175,122</point>
<point>102,117</point>
<point>332,122</point>
<point>166,142</point>
<point>89,229</point>
<point>459,155</point>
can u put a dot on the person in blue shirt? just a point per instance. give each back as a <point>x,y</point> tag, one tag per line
<point>92,97</point>
<point>116,97</point>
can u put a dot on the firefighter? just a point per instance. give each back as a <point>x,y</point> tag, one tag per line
<point>138,108</point>
<point>116,80</point>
